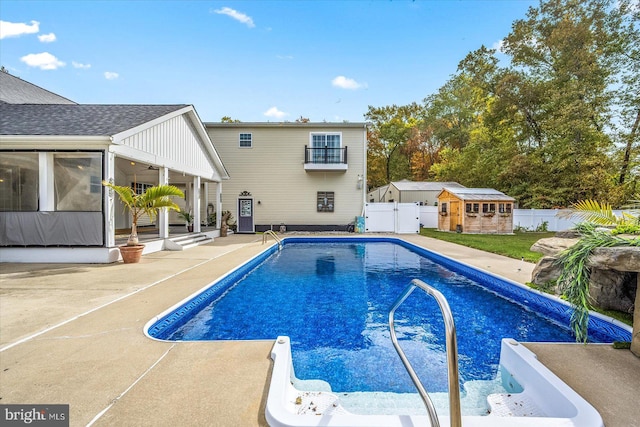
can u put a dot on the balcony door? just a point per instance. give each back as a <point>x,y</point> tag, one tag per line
<point>326,147</point>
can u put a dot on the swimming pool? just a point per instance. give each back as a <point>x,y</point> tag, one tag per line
<point>354,283</point>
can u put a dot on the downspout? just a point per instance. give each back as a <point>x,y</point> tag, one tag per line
<point>364,172</point>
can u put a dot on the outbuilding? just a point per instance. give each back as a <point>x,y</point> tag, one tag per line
<point>475,210</point>
<point>405,191</point>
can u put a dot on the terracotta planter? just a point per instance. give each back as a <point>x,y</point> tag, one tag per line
<point>131,254</point>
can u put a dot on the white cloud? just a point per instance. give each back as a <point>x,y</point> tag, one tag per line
<point>347,83</point>
<point>110,75</point>
<point>498,46</point>
<point>80,65</point>
<point>44,61</point>
<point>289,57</point>
<point>17,29</point>
<point>238,16</point>
<point>274,112</point>
<point>47,38</point>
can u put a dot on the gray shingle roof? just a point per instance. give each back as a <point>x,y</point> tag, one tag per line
<point>14,90</point>
<point>77,120</point>
<point>405,185</point>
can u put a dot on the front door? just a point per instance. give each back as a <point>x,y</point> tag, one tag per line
<point>245,216</point>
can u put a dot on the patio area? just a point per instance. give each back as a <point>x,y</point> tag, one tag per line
<point>73,334</point>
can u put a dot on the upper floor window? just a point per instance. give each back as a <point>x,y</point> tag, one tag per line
<point>326,147</point>
<point>245,140</point>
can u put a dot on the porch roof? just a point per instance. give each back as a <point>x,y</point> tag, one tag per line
<point>77,119</point>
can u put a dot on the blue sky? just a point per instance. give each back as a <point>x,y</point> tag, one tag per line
<point>250,60</point>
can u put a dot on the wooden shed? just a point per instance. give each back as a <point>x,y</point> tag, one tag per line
<point>475,210</point>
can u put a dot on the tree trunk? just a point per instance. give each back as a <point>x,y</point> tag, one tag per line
<point>133,237</point>
<point>627,150</point>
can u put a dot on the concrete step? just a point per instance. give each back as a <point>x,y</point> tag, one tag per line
<point>187,241</point>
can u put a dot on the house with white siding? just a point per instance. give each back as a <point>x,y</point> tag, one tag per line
<point>300,176</point>
<point>55,153</point>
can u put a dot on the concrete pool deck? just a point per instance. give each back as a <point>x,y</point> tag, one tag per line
<point>73,334</point>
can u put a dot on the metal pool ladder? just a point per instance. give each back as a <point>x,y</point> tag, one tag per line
<point>272,234</point>
<point>452,354</point>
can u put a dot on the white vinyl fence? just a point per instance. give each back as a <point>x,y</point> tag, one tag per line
<point>528,219</point>
<point>401,218</point>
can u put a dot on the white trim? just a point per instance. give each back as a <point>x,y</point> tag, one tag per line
<point>239,140</point>
<point>323,133</point>
<point>119,137</point>
<point>326,166</point>
<point>63,140</point>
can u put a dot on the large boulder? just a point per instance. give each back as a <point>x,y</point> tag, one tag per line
<point>624,258</point>
<point>568,234</point>
<point>613,290</point>
<point>546,271</point>
<point>552,246</point>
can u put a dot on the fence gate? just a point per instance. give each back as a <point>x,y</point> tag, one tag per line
<point>401,218</point>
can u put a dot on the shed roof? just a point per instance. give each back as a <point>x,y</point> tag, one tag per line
<point>478,194</point>
<point>406,185</point>
<point>14,90</point>
<point>77,120</point>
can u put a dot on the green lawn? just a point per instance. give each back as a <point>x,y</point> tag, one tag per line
<point>514,246</point>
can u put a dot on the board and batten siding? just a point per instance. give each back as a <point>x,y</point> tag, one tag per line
<point>175,144</point>
<point>272,170</point>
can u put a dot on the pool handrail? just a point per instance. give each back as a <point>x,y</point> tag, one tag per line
<point>275,237</point>
<point>455,414</point>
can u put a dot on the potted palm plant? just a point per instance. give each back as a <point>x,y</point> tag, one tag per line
<point>188,218</point>
<point>148,203</point>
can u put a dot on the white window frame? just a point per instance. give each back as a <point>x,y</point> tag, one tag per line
<point>311,144</point>
<point>240,140</point>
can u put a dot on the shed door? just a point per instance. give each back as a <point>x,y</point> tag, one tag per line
<point>454,215</point>
<point>245,216</point>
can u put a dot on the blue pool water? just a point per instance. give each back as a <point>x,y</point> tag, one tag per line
<point>333,298</point>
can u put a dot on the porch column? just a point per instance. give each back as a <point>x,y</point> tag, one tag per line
<point>218,204</point>
<point>195,203</point>
<point>163,215</point>
<point>109,200</point>
<point>46,190</point>
<point>205,201</point>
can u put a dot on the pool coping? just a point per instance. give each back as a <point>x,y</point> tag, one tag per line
<point>550,305</point>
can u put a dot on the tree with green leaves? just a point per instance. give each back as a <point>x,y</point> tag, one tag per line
<point>227,119</point>
<point>390,128</point>
<point>148,203</point>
